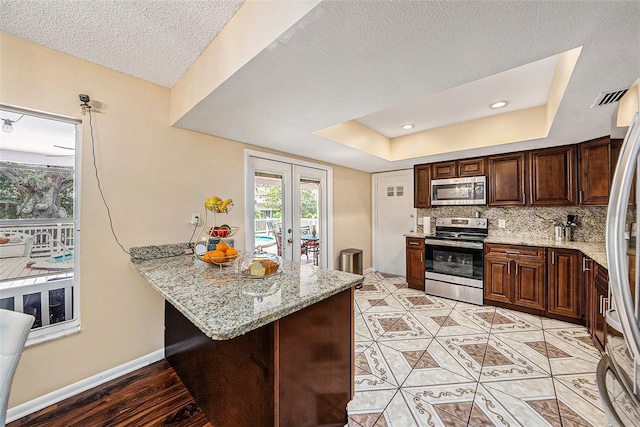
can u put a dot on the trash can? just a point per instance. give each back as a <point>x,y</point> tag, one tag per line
<point>351,260</point>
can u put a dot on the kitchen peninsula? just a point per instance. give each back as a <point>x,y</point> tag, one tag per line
<point>257,352</point>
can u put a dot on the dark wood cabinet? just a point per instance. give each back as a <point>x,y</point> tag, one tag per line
<point>458,168</point>
<point>552,176</point>
<point>529,283</point>
<point>422,186</point>
<point>507,180</point>
<point>565,293</point>
<point>515,277</point>
<point>415,263</point>
<point>597,163</point>
<point>598,300</point>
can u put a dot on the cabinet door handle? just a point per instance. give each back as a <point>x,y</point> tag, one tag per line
<point>524,197</point>
<point>421,260</point>
<point>509,267</point>
<point>584,264</point>
<point>512,252</point>
<point>580,196</point>
<point>414,243</point>
<point>458,170</point>
<point>553,257</point>
<point>516,268</point>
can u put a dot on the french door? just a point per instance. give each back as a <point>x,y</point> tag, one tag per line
<point>287,208</point>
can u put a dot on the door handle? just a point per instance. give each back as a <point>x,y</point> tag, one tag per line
<point>580,196</point>
<point>553,257</point>
<point>421,260</point>
<point>524,197</point>
<point>584,264</point>
<point>289,240</point>
<point>516,268</point>
<point>509,267</point>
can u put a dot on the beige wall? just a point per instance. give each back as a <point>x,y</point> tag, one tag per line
<point>154,176</point>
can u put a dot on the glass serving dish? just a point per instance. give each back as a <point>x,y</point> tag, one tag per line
<point>259,264</point>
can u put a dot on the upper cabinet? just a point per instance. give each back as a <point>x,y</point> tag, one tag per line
<point>506,180</point>
<point>421,186</point>
<point>458,168</point>
<point>552,176</point>
<point>598,159</point>
<point>568,175</point>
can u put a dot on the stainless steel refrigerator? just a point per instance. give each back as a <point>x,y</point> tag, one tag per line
<point>618,373</point>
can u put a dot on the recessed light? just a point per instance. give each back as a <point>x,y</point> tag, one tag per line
<point>407,126</point>
<point>498,104</point>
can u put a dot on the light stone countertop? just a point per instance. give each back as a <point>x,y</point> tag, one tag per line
<point>223,305</point>
<point>594,250</point>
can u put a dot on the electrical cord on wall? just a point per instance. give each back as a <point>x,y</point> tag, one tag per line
<point>86,107</point>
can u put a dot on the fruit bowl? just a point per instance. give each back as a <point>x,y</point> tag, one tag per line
<point>222,231</point>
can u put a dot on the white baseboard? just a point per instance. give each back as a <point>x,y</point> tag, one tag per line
<point>71,390</point>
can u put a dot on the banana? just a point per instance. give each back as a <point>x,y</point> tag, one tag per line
<point>211,202</point>
<point>225,205</point>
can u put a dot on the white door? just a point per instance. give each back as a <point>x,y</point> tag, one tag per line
<point>393,217</point>
<point>289,202</point>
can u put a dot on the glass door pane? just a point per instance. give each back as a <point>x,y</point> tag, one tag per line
<point>271,227</point>
<point>309,211</point>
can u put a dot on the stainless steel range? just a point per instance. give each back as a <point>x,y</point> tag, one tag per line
<point>455,259</point>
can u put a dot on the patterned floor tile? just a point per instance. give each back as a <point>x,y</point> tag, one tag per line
<point>397,413</point>
<point>444,323</point>
<point>446,405</point>
<point>572,338</point>
<point>413,299</point>
<point>395,326</point>
<point>578,400</point>
<point>532,346</point>
<point>436,366</point>
<point>531,402</point>
<point>502,361</point>
<point>629,415</point>
<point>489,410</point>
<point>367,406</point>
<point>499,321</point>
<point>362,332</point>
<point>569,353</point>
<point>384,303</point>
<point>486,366</point>
<point>372,370</point>
<point>403,355</point>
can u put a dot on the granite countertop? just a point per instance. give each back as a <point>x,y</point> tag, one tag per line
<point>594,250</point>
<point>222,304</point>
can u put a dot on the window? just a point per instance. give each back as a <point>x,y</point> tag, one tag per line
<point>39,220</point>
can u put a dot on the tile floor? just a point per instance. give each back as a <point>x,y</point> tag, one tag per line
<point>427,361</point>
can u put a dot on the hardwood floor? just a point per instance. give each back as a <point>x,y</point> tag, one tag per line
<point>151,396</point>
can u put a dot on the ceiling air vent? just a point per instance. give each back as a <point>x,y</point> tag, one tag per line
<point>606,98</point>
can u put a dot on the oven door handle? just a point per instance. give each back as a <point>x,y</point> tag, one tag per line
<point>454,243</point>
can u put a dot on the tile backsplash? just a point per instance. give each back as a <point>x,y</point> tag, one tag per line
<point>529,221</point>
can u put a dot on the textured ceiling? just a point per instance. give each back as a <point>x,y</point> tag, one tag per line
<point>155,40</point>
<point>349,60</point>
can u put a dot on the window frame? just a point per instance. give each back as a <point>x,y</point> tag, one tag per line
<point>72,326</point>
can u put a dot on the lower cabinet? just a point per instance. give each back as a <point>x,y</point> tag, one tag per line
<point>557,283</point>
<point>598,294</point>
<point>515,277</point>
<point>415,263</point>
<point>565,294</point>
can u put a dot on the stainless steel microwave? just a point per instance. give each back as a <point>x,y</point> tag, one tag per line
<point>459,191</point>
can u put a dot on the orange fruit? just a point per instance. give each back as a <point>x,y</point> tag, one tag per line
<point>214,256</point>
<point>231,254</point>
<point>222,247</point>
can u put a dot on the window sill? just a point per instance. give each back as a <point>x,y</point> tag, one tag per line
<point>52,332</point>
